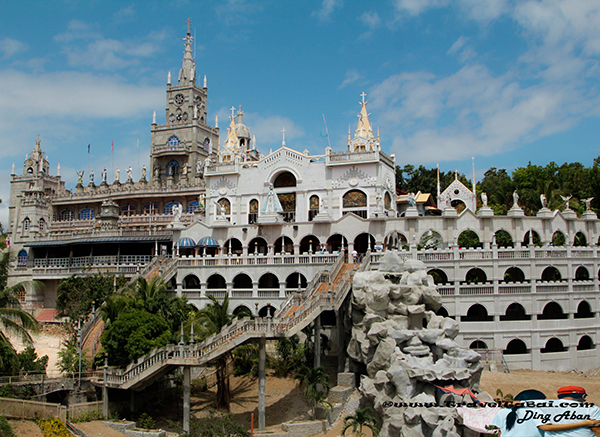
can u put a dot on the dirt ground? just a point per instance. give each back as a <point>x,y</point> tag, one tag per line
<point>47,342</point>
<point>98,429</point>
<point>25,428</point>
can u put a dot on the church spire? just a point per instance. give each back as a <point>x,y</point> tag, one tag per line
<point>364,140</point>
<point>188,68</point>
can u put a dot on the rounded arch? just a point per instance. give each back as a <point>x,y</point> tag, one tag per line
<point>477,313</point>
<point>585,343</point>
<point>224,206</point>
<point>295,281</point>
<point>284,244</point>
<point>314,206</point>
<point>253,207</point>
<point>309,243</point>
<point>26,223</point>
<point>22,258</point>
<point>469,239</point>
<point>580,239</point>
<point>515,311</point>
<point>355,202</point>
<point>216,281</point>
<point>553,345</point>
<point>267,311</point>
<point>241,309</point>
<point>284,179</point>
<point>268,280</point>
<point>364,242</point>
<point>558,238</point>
<point>478,344</point>
<point>233,246</point>
<point>475,276</point>
<point>515,347</point>
<point>552,311</point>
<point>439,276</point>
<point>582,274</point>
<point>584,310</point>
<point>337,242</point>
<point>242,280</point>
<point>66,215</point>
<point>430,239</point>
<point>514,274</point>
<point>537,241</point>
<point>395,241</point>
<point>258,245</point>
<point>442,312</point>
<point>503,238</point>
<point>87,214</point>
<point>551,273</point>
<point>190,282</point>
<point>387,201</point>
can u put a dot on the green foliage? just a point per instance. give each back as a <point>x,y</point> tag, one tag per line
<point>291,354</point>
<point>53,428</point>
<point>315,382</point>
<point>76,293</point>
<point>468,240</point>
<point>9,361</point>
<point>217,426</point>
<point>412,180</point>
<point>29,361</point>
<point>7,391</point>
<point>5,429</point>
<point>498,186</point>
<point>68,359</point>
<point>362,418</point>
<point>134,334</point>
<point>88,416</point>
<point>145,421</point>
<point>558,239</point>
<point>503,239</point>
<point>245,359</point>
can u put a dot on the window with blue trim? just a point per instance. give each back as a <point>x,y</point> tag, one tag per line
<point>169,208</point>
<point>65,215</point>
<point>151,208</point>
<point>193,206</point>
<point>86,214</point>
<point>173,141</point>
<point>22,258</point>
<point>128,210</point>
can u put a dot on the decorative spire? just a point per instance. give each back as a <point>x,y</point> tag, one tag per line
<point>154,117</point>
<point>216,121</point>
<point>58,169</point>
<point>363,138</point>
<point>205,81</point>
<point>232,141</point>
<point>169,78</point>
<point>188,69</point>
<point>283,132</point>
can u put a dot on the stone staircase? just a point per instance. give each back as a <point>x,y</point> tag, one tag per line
<point>296,313</point>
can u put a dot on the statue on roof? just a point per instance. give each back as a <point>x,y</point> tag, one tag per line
<point>588,203</point>
<point>543,200</point>
<point>144,172</point>
<point>92,177</point>
<point>566,199</point>
<point>104,176</point>
<point>515,199</point>
<point>80,177</point>
<point>484,199</point>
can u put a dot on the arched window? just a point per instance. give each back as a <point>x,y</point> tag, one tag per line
<point>266,311</point>
<point>42,225</point>
<point>364,242</point>
<point>215,281</point>
<point>295,281</point>
<point>66,215</point>
<point>173,142</point>
<point>387,201</point>
<point>585,343</point>
<point>151,208</point>
<point>257,246</point>
<point>514,274</point>
<point>469,240</point>
<point>537,241</point>
<point>268,280</point>
<point>242,281</point>
<point>478,344</point>
<point>233,246</point>
<point>552,311</point>
<point>582,274</point>
<point>584,311</point>
<point>193,206</point>
<point>443,312</point>
<point>169,207</point>
<point>26,224</point>
<point>86,214</point>
<point>355,202</point>
<point>310,243</point>
<point>191,282</point>
<point>285,179</point>
<point>172,168</point>
<point>551,274</point>
<point>515,347</point>
<point>477,313</point>
<point>439,276</point>
<point>476,276</point>
<point>503,239</point>
<point>283,245</point>
<point>580,239</point>
<point>22,259</point>
<point>558,239</point>
<point>253,211</point>
<point>225,206</point>
<point>515,311</point>
<point>128,210</point>
<point>553,345</point>
<point>313,208</point>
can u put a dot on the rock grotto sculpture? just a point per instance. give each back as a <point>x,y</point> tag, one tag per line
<point>405,349</point>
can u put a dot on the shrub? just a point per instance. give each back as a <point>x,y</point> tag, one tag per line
<point>53,428</point>
<point>5,429</point>
<point>145,421</point>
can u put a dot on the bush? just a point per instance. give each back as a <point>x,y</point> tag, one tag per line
<point>53,428</point>
<point>145,421</point>
<point>213,426</point>
<point>68,359</point>
<point>245,359</point>
<point>5,429</point>
<point>88,416</point>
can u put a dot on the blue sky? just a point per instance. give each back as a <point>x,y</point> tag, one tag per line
<point>504,81</point>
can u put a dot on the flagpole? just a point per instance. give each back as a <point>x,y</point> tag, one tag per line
<point>88,159</point>
<point>138,153</point>
<point>112,148</point>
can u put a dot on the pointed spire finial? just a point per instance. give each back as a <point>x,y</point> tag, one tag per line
<point>205,81</point>
<point>169,78</point>
<point>154,117</point>
<point>363,95</point>
<point>232,109</point>
<point>216,121</point>
<point>189,22</point>
<point>283,131</point>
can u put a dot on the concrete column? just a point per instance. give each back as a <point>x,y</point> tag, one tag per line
<point>105,392</point>
<point>262,358</point>
<point>318,341</point>
<point>186,398</point>
<point>339,315</point>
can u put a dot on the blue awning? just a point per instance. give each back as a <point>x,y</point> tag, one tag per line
<point>207,242</point>
<point>186,242</point>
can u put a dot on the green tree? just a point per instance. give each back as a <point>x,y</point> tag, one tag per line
<point>498,186</point>
<point>68,359</point>
<point>30,362</point>
<point>134,334</point>
<point>210,320</point>
<point>411,179</point>
<point>362,418</point>
<point>315,382</point>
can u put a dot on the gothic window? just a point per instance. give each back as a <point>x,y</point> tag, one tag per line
<point>128,210</point>
<point>26,224</point>
<point>42,224</point>
<point>313,207</point>
<point>29,170</point>
<point>253,211</point>
<point>225,205</point>
<point>193,206</point>
<point>172,168</point>
<point>65,215</point>
<point>150,208</point>
<point>355,201</point>
<point>22,259</point>
<point>169,208</point>
<point>86,214</point>
<point>387,200</point>
<point>173,141</point>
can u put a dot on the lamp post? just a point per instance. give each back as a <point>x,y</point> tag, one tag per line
<point>79,347</point>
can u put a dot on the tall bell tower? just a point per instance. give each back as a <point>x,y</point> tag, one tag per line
<point>180,146</point>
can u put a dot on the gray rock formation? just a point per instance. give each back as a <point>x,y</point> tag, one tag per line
<point>405,349</point>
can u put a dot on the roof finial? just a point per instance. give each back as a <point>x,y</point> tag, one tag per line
<point>189,21</point>
<point>205,81</point>
<point>283,131</point>
<point>363,95</point>
<point>232,109</point>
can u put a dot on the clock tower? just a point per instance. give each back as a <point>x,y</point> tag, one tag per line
<point>180,146</point>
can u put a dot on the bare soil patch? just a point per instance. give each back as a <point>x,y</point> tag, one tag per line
<point>25,428</point>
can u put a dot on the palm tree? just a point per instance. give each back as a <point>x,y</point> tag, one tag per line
<point>316,382</point>
<point>13,320</point>
<point>210,320</point>
<point>362,418</point>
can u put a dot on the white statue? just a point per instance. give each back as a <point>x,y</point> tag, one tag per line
<point>566,200</point>
<point>144,172</point>
<point>543,200</point>
<point>185,169</point>
<point>411,199</point>
<point>117,174</point>
<point>272,204</point>
<point>484,200</point>
<point>195,111</point>
<point>199,167</point>
<point>80,177</point>
<point>104,176</point>
<point>177,211</point>
<point>588,203</point>
<point>91,177</point>
<point>220,209</point>
<point>378,201</point>
<point>201,200</point>
<point>515,199</point>
<point>130,173</point>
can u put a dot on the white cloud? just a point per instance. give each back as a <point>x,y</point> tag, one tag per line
<point>234,12</point>
<point>125,14</point>
<point>372,20</point>
<point>327,8</point>
<point>479,10</point>
<point>10,47</point>
<point>416,7</point>
<point>351,77</point>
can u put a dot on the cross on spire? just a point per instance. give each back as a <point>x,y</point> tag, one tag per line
<point>283,132</point>
<point>189,21</point>
<point>363,96</point>
<point>232,110</point>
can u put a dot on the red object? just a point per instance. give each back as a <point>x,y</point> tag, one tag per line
<point>571,389</point>
<point>112,146</point>
<point>458,391</point>
<point>251,424</point>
